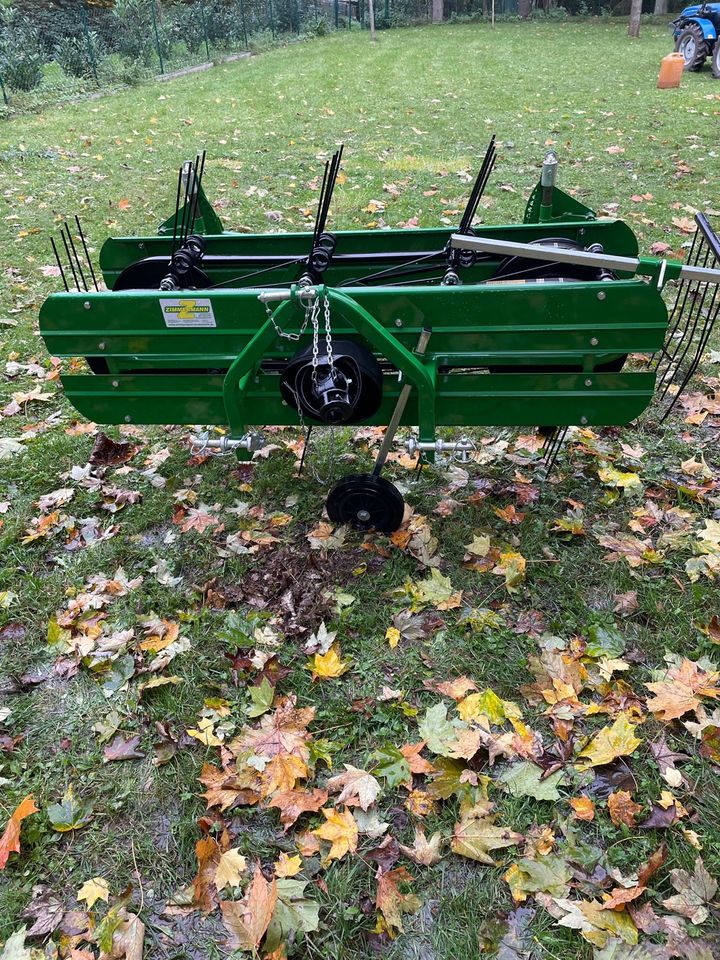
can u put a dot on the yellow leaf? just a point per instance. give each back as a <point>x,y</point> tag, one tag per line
<point>328,665</point>
<point>93,890</point>
<point>392,635</point>
<point>488,704</point>
<point>341,830</point>
<point>282,772</point>
<point>619,740</point>
<point>512,567</point>
<point>288,866</point>
<point>583,808</point>
<point>247,920</point>
<point>616,478</point>
<point>231,865</point>
<point>205,733</point>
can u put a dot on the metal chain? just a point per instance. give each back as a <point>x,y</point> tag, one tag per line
<point>328,337</point>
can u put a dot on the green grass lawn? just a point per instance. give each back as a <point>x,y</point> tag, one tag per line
<point>415,112</point>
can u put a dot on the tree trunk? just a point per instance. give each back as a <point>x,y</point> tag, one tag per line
<point>634,25</point>
<point>661,8</point>
<point>438,9</point>
<point>524,8</point>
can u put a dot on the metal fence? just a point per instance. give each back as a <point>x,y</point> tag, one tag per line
<point>58,49</point>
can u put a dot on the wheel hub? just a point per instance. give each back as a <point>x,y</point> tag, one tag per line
<point>365,501</point>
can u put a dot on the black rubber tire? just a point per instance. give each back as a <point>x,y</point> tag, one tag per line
<point>366,502</point>
<point>696,55</point>
<point>716,60</point>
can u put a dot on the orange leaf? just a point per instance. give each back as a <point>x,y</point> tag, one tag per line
<point>291,803</point>
<point>10,840</point>
<point>623,808</point>
<point>247,920</point>
<point>583,808</point>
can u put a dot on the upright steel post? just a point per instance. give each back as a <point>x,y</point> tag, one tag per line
<point>4,92</point>
<point>157,36</point>
<point>204,26</point>
<point>88,42</point>
<point>272,19</point>
<point>337,16</point>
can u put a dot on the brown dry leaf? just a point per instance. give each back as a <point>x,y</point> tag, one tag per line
<point>424,852</point>
<point>228,788</point>
<point>694,892</point>
<point>247,920</point>
<point>10,840</point>
<point>284,731</point>
<point>208,853</point>
<point>292,803</point>
<point>457,688</point>
<point>622,808</point>
<point>358,788</point>
<point>622,895</point>
<point>390,902</point>
<point>341,830</point>
<point>108,453</point>
<point>681,691</point>
<point>121,749</point>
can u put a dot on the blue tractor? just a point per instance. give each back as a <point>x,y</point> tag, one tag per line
<point>696,36</point>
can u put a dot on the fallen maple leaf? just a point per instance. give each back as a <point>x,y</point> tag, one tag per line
<point>390,902</point>
<point>622,808</point>
<point>292,803</point>
<point>583,808</point>
<point>694,892</point>
<point>328,665</point>
<point>477,834</point>
<point>341,830</point>
<point>247,920</point>
<point>10,840</point>
<point>619,740</point>
<point>359,788</point>
<point>288,866</point>
<point>93,890</point>
<point>230,866</point>
<point>424,852</point>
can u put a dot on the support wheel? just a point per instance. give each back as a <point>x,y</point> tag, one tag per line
<point>693,46</point>
<point>365,501</point>
<point>716,60</point>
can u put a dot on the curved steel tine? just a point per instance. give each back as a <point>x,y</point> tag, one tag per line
<point>702,343</point>
<point>687,339</point>
<point>694,293</point>
<point>677,311</point>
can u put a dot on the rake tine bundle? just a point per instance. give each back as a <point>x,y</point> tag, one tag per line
<point>553,446</point>
<point>76,257</point>
<point>332,168</point>
<point>478,189</point>
<point>70,260</point>
<point>196,190</point>
<point>87,253</point>
<point>59,263</point>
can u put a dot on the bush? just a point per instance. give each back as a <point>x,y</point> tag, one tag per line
<point>132,24</point>
<point>73,54</point>
<point>21,63</point>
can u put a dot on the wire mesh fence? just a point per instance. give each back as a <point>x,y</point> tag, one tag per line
<point>52,50</point>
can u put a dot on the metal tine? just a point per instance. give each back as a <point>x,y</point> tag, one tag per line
<point>196,191</point>
<point>70,261</point>
<point>316,232</point>
<point>554,450</point>
<point>326,200</point>
<point>677,310</point>
<point>177,210</point>
<point>192,186</point>
<point>478,187</point>
<point>675,363</point>
<point>684,340</point>
<point>87,252</point>
<point>77,258</point>
<point>186,201</point>
<point>60,266</point>
<point>702,342</point>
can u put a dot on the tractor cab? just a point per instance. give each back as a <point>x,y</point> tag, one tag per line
<point>696,36</point>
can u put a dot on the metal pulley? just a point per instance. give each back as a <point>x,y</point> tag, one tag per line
<point>348,389</point>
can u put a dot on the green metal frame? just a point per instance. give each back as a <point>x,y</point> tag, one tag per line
<point>499,354</point>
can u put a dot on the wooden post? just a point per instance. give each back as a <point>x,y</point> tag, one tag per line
<point>634,24</point>
<point>371,14</point>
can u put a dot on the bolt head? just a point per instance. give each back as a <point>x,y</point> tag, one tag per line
<point>87,304</point>
<point>601,295</point>
<point>594,341</point>
<point>102,345</point>
<point>363,516</point>
<point>588,382</point>
<point>583,420</point>
<point>116,383</point>
<point>127,418</point>
<point>398,322</point>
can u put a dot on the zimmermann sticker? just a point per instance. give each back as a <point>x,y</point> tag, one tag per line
<point>187,312</point>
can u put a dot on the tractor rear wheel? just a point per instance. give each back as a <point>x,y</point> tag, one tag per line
<point>693,46</point>
<point>716,60</point>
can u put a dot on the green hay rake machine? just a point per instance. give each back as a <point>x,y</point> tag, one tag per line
<point>524,325</point>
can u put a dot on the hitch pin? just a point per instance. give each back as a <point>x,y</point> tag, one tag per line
<point>303,293</point>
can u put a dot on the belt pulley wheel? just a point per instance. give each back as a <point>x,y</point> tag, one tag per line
<point>365,501</point>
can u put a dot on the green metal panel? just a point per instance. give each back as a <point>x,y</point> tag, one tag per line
<point>498,323</point>
<point>461,400</point>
